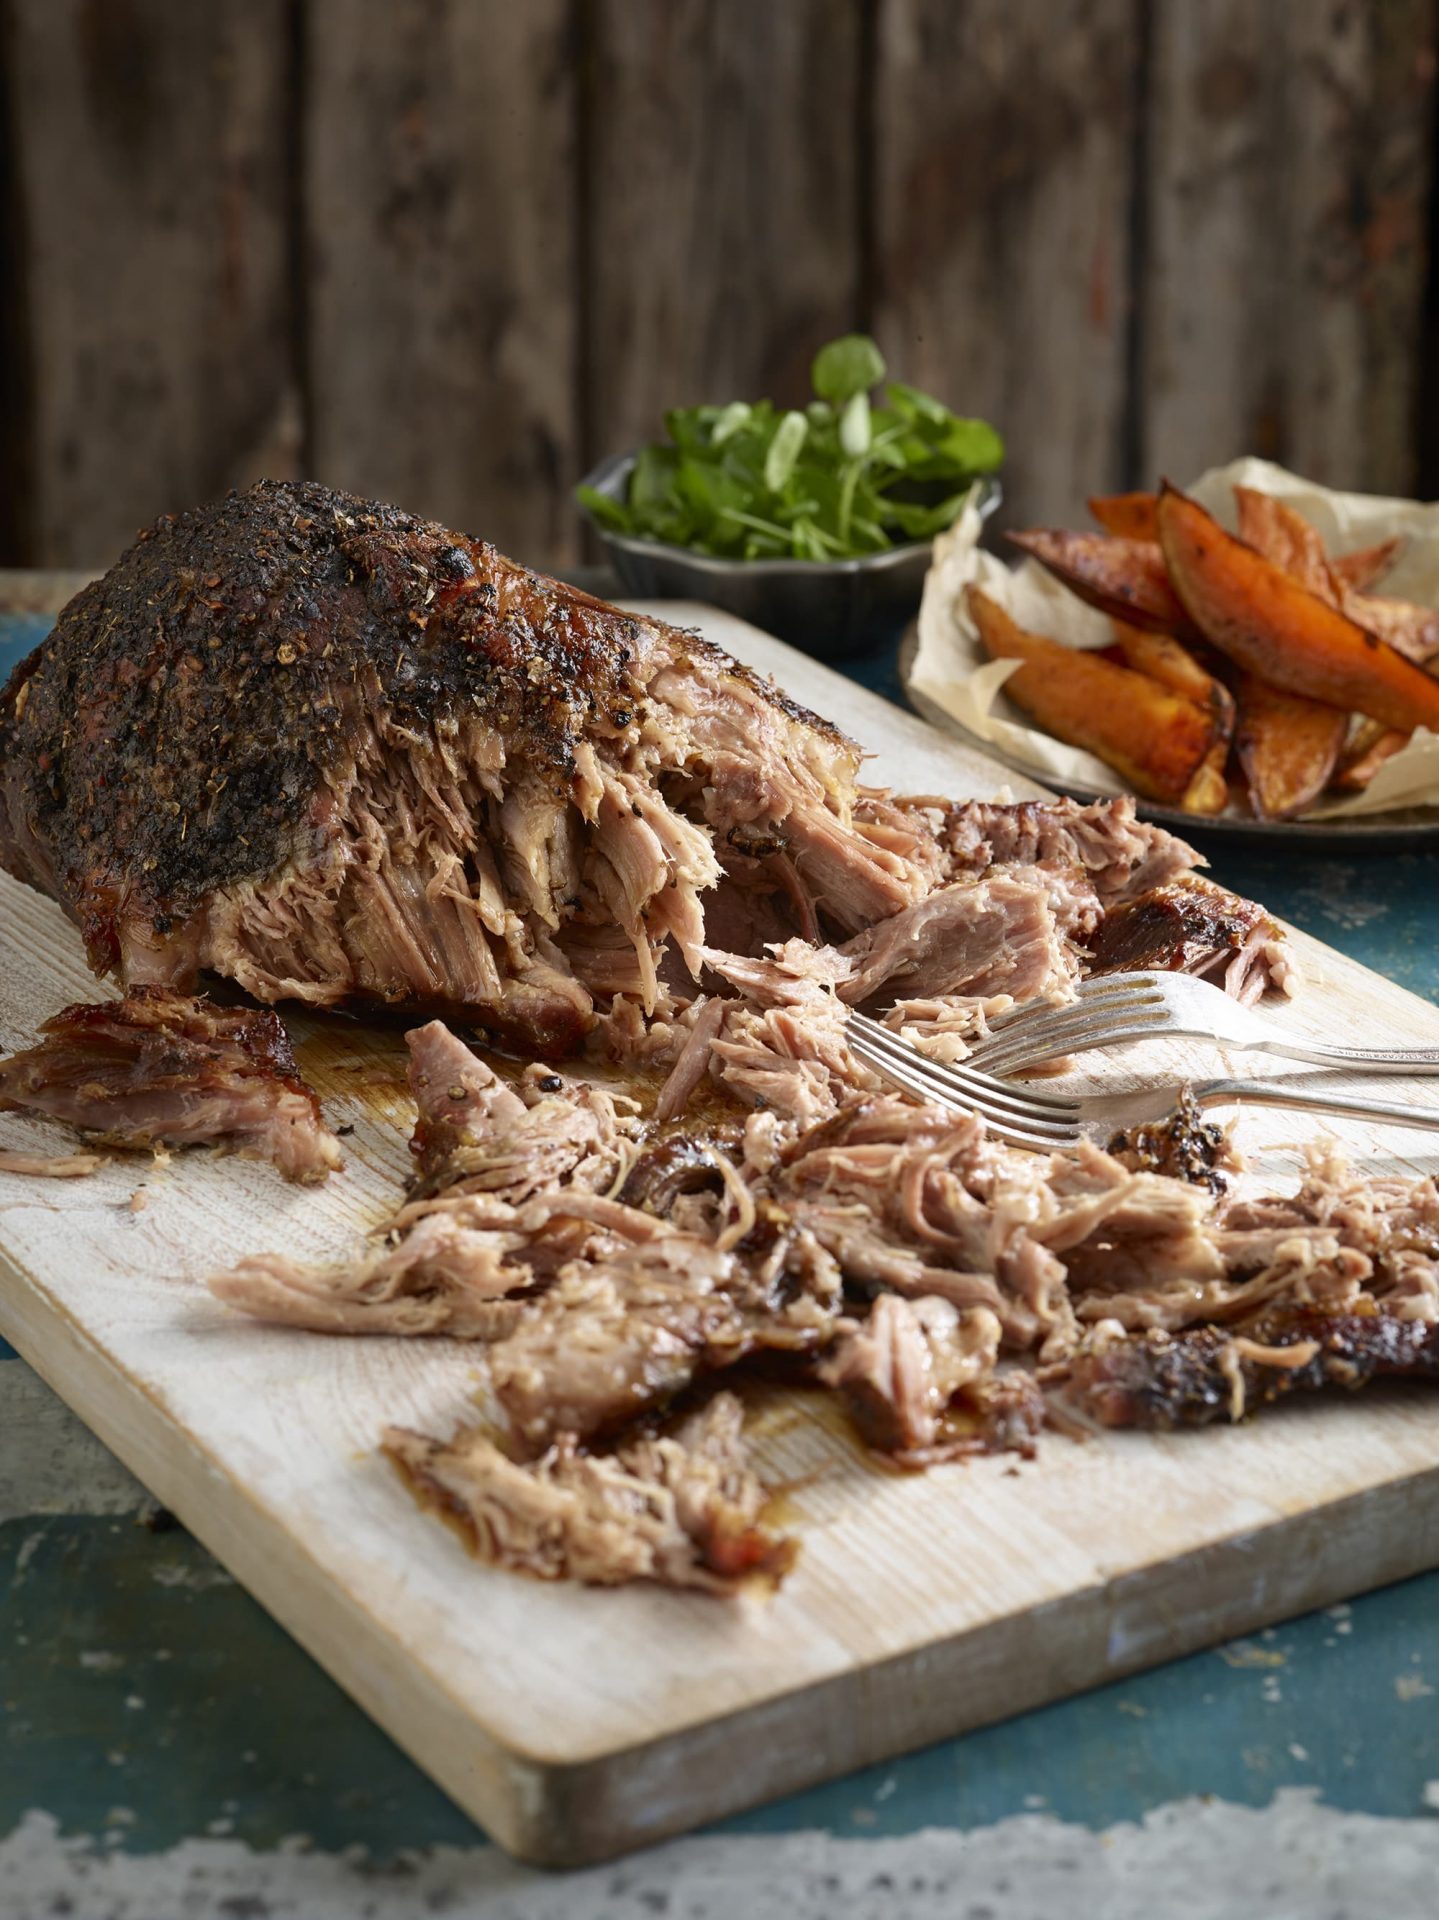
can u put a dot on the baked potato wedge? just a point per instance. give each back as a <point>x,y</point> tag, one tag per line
<point>1155,740</point>
<point>1273,627</point>
<point>1126,579</point>
<point>1287,747</point>
<point>1130,515</point>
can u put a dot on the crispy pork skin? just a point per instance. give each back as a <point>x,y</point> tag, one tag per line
<point>159,1067</point>
<point>683,1509</point>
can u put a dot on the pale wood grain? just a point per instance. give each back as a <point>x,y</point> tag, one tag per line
<point>150,162</point>
<point>440,205</point>
<point>573,1723</point>
<point>1283,285</point>
<point>721,184</point>
<point>1003,154</point>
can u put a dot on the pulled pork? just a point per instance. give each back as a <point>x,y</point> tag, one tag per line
<point>338,754</point>
<point>683,1509</point>
<point>161,1068</point>
<point>946,1287</point>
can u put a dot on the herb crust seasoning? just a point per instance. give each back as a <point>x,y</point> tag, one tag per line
<point>336,751</point>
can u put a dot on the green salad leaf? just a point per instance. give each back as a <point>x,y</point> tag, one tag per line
<point>850,474</point>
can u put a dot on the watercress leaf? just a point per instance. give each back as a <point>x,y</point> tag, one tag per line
<point>652,477</point>
<point>729,422</point>
<point>921,522</point>
<point>686,428</point>
<point>971,446</point>
<point>604,508</point>
<point>915,405</point>
<point>850,365</point>
<point>783,452</point>
<point>854,429</point>
<point>707,489</point>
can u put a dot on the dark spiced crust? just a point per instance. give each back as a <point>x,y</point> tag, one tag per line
<point>173,733</point>
<point>1161,1380</point>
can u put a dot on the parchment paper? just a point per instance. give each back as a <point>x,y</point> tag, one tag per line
<point>952,670</point>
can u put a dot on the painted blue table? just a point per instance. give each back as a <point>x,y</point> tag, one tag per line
<point>165,1749</point>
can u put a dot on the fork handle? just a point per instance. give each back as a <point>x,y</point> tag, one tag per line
<point>1271,1093</point>
<point>1386,1059</point>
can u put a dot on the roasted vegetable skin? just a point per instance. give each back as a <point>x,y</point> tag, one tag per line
<point>1126,579</point>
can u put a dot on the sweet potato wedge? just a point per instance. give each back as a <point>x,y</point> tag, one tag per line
<point>1273,627</point>
<point>1130,515</point>
<point>1372,743</point>
<point>1170,662</point>
<point>1123,578</point>
<point>1286,538</point>
<point>1154,740</point>
<point>1287,747</point>
<point>1282,536</point>
<point>1361,568</point>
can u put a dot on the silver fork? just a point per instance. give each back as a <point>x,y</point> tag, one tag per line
<point>1114,1007</point>
<point>1029,1116</point>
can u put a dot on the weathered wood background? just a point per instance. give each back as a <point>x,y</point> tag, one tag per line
<point>451,251</point>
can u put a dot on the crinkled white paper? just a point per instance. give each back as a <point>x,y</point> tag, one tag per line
<point>952,672</point>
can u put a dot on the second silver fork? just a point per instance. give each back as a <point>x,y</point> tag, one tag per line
<point>1030,1116</point>
<point>1111,1009</point>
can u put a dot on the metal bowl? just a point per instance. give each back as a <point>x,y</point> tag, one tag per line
<point>833,609</point>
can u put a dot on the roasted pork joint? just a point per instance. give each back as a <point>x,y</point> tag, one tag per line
<point>337,753</point>
<point>162,1068</point>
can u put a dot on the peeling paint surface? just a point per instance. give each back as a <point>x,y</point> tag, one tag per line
<point>1295,1857</point>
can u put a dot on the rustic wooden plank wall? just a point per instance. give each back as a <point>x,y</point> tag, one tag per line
<point>1286,204</point>
<point>1004,139</point>
<point>449,251</point>
<point>440,259</point>
<point>722,201</point>
<point>149,194</point>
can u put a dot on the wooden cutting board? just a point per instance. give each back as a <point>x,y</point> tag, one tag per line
<point>575,1724</point>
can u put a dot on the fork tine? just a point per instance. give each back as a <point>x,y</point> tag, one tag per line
<point>1122,988</point>
<point>1091,1005</point>
<point>1079,1034</point>
<point>1020,1099</point>
<point>1023,1059</point>
<point>910,1070</point>
<point>909,1079</point>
